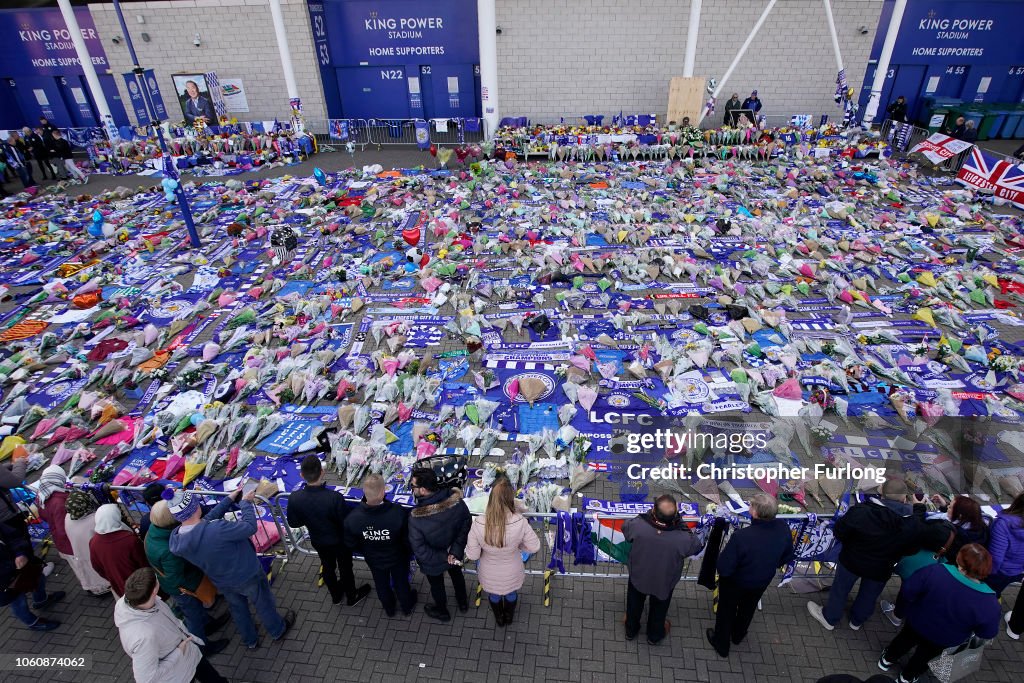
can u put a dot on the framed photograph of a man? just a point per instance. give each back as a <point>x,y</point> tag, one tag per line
<point>194,97</point>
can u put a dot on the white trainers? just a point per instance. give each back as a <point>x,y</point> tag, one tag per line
<point>819,616</point>
<point>889,610</point>
<point>48,569</point>
<point>1009,632</point>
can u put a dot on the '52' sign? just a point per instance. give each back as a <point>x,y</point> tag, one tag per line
<point>323,51</point>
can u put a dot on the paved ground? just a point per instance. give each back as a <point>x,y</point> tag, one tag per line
<point>577,638</point>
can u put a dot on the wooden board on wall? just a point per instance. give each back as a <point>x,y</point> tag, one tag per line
<point>685,98</point>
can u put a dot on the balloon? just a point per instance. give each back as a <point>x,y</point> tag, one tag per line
<point>96,229</point>
<point>411,236</point>
<point>169,185</point>
<point>433,150</point>
<point>320,176</point>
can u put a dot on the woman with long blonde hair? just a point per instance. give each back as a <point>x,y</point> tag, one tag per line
<point>496,542</point>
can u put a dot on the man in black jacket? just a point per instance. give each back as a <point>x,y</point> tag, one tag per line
<point>46,127</point>
<point>957,128</point>
<point>874,536</point>
<point>897,110</point>
<point>323,512</point>
<point>16,554</point>
<point>379,529</point>
<point>438,530</point>
<point>40,152</point>
<point>661,542</point>
<point>745,569</point>
<point>731,107</point>
<point>61,149</point>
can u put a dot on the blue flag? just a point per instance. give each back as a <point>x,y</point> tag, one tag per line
<point>422,134</point>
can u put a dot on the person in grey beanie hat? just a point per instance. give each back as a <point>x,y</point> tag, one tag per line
<point>223,551</point>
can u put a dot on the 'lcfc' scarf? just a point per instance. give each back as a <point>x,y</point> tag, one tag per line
<point>809,523</point>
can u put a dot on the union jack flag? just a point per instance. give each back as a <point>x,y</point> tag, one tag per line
<point>1001,177</point>
<point>979,170</point>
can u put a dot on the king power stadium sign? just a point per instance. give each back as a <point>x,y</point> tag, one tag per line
<point>978,31</point>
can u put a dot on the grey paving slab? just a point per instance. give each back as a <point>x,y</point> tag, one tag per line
<point>578,638</point>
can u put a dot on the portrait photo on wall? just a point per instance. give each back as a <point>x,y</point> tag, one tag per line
<point>194,96</point>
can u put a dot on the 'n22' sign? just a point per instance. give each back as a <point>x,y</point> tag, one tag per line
<point>391,75</point>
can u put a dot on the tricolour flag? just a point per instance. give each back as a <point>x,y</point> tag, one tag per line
<point>610,542</point>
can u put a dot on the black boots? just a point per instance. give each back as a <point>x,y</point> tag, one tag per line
<point>510,609</point>
<point>504,611</point>
<point>499,612</point>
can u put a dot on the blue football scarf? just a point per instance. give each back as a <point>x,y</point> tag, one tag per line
<point>583,542</point>
<point>562,541</point>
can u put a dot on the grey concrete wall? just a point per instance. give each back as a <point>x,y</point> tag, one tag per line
<point>237,41</point>
<point>574,57</point>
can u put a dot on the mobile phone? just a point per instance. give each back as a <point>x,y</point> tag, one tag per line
<point>248,486</point>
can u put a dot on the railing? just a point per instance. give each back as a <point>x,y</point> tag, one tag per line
<point>538,563</point>
<point>276,540</point>
<point>456,131</point>
<point>894,132</point>
<point>269,533</point>
<point>330,132</point>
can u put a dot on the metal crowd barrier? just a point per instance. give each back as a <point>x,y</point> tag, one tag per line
<point>890,132</point>
<point>275,538</point>
<point>335,132</point>
<point>537,564</point>
<point>129,499</point>
<point>452,131</point>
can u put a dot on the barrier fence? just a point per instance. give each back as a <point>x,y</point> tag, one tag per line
<point>904,136</point>
<point>270,533</point>
<point>275,540</point>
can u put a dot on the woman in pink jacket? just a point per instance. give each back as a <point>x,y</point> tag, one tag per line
<point>496,542</point>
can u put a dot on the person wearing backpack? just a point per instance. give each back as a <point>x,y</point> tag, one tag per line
<point>874,536</point>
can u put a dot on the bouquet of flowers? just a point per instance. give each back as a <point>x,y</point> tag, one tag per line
<point>386,465</point>
<point>539,496</point>
<point>357,466</point>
